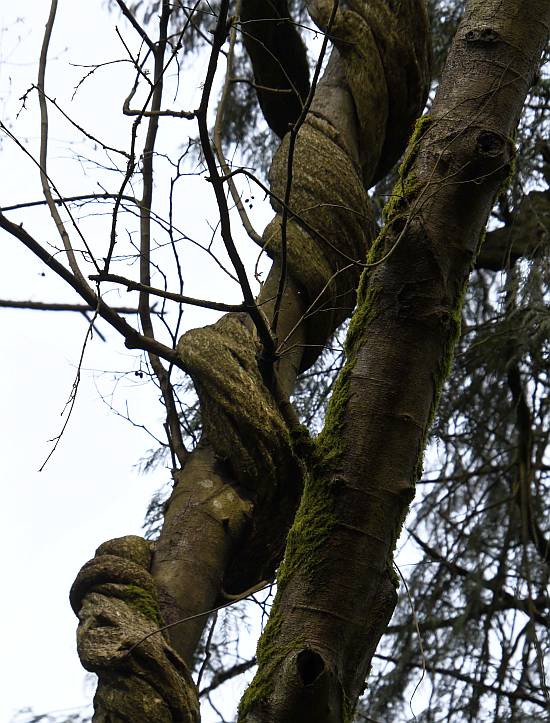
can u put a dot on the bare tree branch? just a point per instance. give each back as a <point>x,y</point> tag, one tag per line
<point>132,338</point>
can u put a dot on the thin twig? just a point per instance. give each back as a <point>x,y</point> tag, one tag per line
<point>71,199</point>
<point>78,127</point>
<point>137,27</point>
<point>234,598</point>
<point>207,652</point>
<point>44,147</point>
<point>72,396</point>
<point>132,338</point>
<point>187,114</point>
<point>418,633</point>
<point>60,199</point>
<point>224,675</point>
<point>252,233</point>
<point>173,428</point>
<point>294,214</point>
<point>54,306</point>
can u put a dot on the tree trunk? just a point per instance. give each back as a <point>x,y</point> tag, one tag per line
<point>336,587</point>
<point>236,496</point>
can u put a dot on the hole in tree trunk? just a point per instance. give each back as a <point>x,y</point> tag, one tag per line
<point>310,666</point>
<point>490,144</point>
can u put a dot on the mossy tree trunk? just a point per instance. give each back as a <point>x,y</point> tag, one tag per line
<point>236,497</point>
<point>337,585</point>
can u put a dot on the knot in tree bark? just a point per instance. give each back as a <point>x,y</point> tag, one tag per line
<point>140,678</point>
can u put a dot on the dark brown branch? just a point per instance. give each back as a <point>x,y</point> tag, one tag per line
<point>187,114</point>
<point>524,470</point>
<point>525,605</point>
<point>527,235</point>
<point>173,427</point>
<point>257,317</point>
<point>79,128</point>
<point>462,677</point>
<point>279,61</point>
<point>228,674</point>
<point>53,306</point>
<point>137,27</point>
<point>71,199</point>
<point>179,298</point>
<point>218,145</point>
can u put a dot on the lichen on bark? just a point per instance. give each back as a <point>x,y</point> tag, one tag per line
<point>140,678</point>
<point>239,414</point>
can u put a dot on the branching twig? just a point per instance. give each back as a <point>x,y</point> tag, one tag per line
<point>137,27</point>
<point>60,200</point>
<point>72,396</point>
<point>225,675</point>
<point>512,694</point>
<point>54,306</point>
<point>292,214</point>
<point>179,298</point>
<point>71,199</point>
<point>207,652</point>
<point>78,127</point>
<point>252,233</point>
<point>173,427</point>
<point>132,338</point>
<point>234,598</point>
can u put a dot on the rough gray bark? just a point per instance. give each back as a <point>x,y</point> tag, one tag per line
<point>140,677</point>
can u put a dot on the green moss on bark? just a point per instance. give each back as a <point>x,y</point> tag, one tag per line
<point>142,601</point>
<point>270,655</point>
<point>315,519</point>
<point>406,189</point>
<point>312,528</point>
